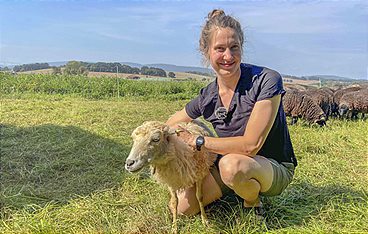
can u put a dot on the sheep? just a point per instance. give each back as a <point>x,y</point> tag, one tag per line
<point>297,104</point>
<point>353,103</point>
<point>329,90</point>
<point>322,98</point>
<point>337,96</point>
<point>172,161</point>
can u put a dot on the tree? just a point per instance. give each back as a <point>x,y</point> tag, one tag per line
<point>153,71</point>
<point>75,68</point>
<point>4,69</point>
<point>171,74</point>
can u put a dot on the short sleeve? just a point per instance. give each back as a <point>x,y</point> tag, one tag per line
<point>270,86</point>
<point>193,108</point>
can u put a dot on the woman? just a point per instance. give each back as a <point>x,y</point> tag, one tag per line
<point>244,106</point>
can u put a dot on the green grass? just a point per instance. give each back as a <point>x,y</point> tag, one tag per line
<point>62,171</point>
<point>97,87</point>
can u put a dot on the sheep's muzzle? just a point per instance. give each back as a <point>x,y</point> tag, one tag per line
<point>132,165</point>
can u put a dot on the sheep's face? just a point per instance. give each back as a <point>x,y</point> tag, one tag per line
<point>322,120</point>
<point>149,143</point>
<point>343,109</point>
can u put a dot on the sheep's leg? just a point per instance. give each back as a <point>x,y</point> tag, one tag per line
<point>199,195</point>
<point>294,120</point>
<point>174,209</point>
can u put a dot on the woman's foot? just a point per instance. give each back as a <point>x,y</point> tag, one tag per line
<point>256,203</point>
<point>257,207</point>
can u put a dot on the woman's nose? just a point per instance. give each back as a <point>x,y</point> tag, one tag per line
<point>228,54</point>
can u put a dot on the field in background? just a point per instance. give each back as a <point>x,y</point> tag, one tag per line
<point>97,87</point>
<point>63,151</point>
<point>179,75</point>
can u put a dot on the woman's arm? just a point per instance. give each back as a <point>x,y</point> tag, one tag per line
<point>259,125</point>
<point>178,117</point>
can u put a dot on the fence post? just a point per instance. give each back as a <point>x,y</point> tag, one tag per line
<point>117,80</point>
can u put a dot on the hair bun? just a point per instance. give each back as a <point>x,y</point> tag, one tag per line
<point>214,13</point>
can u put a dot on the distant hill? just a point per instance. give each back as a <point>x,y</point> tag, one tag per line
<point>329,77</point>
<point>170,67</point>
<point>133,64</point>
<point>57,64</point>
<point>322,77</point>
<point>175,68</point>
<point>7,65</point>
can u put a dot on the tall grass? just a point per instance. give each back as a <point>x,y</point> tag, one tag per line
<point>97,87</point>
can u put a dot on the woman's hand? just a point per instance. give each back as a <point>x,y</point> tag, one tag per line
<point>187,137</point>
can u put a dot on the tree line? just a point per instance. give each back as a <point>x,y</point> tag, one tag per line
<point>82,68</point>
<point>30,67</point>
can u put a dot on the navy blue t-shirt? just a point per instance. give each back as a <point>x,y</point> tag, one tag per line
<point>255,84</point>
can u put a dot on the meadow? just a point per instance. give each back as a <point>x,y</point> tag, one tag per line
<point>64,140</point>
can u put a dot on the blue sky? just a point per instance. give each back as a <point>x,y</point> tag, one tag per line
<point>292,37</point>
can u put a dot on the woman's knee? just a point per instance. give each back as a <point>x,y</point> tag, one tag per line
<point>234,167</point>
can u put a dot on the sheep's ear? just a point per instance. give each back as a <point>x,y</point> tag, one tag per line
<point>169,131</point>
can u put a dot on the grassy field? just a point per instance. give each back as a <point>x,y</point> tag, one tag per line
<point>178,75</point>
<point>62,171</point>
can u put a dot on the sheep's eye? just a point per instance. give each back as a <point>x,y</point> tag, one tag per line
<point>156,138</point>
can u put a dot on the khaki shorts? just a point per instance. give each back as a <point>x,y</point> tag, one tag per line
<point>283,174</point>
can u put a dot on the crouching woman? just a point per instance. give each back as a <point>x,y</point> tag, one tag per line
<point>255,154</point>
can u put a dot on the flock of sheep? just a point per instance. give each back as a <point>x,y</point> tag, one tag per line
<point>317,105</point>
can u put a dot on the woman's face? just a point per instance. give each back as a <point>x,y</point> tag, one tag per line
<point>225,52</point>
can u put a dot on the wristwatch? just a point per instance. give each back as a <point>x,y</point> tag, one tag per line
<point>199,142</point>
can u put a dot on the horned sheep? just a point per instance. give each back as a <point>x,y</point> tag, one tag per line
<point>297,104</point>
<point>172,161</point>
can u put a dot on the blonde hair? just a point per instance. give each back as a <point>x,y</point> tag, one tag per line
<point>217,19</point>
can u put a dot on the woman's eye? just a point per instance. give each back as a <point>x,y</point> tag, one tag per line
<point>220,49</point>
<point>235,47</point>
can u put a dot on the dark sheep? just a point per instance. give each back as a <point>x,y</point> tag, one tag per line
<point>322,98</point>
<point>299,105</point>
<point>337,96</point>
<point>353,103</point>
<point>330,91</point>
<point>339,93</point>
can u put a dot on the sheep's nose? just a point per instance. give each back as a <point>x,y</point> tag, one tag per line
<point>129,162</point>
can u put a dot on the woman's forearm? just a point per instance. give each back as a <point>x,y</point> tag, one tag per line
<point>235,145</point>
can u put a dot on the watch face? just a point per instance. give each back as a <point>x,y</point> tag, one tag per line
<point>199,142</point>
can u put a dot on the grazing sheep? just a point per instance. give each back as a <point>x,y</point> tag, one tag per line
<point>322,98</point>
<point>353,103</point>
<point>297,104</point>
<point>337,96</point>
<point>172,161</point>
<point>330,91</point>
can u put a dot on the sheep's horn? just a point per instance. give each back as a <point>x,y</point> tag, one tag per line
<point>174,131</point>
